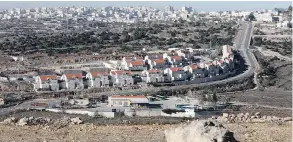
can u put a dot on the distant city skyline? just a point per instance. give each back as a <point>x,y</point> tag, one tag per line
<point>197,5</point>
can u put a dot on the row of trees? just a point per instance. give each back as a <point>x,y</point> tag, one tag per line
<point>31,41</point>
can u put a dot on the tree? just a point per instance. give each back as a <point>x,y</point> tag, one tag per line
<point>251,17</point>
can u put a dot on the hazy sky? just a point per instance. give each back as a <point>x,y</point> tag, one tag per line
<point>198,5</point>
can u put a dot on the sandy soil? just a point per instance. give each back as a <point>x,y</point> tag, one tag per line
<point>247,132</point>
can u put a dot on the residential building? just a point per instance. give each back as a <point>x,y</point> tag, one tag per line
<point>230,63</point>
<point>212,69</point>
<point>137,65</point>
<point>97,79</point>
<point>176,60</point>
<point>72,79</point>
<point>158,64</point>
<point>174,74</point>
<point>46,82</point>
<point>121,78</point>
<point>152,76</point>
<point>199,72</point>
<point>126,101</point>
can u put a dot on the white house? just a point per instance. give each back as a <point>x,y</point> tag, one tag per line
<point>121,78</point>
<point>126,101</point>
<point>152,75</point>
<point>49,82</point>
<point>72,81</point>
<point>97,79</point>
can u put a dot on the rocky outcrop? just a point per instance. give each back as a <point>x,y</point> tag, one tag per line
<point>241,117</point>
<point>42,121</point>
<point>23,121</point>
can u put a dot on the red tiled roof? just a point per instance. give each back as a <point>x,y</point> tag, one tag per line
<point>131,57</point>
<point>47,77</point>
<point>176,57</point>
<point>176,69</point>
<point>141,97</point>
<point>159,61</point>
<point>120,72</point>
<point>71,76</point>
<point>153,71</point>
<point>95,74</point>
<point>136,63</point>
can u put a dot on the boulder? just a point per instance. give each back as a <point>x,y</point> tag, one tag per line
<point>76,120</point>
<point>246,114</point>
<point>275,118</point>
<point>287,119</point>
<point>31,118</point>
<point>23,121</point>
<point>199,131</point>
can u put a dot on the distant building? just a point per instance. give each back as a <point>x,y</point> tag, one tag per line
<point>152,76</point>
<point>47,82</point>
<point>174,74</point>
<point>72,79</point>
<point>126,101</point>
<point>121,78</point>
<point>136,65</point>
<point>97,79</point>
<point>158,63</point>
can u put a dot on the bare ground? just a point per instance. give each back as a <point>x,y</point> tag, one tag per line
<point>244,132</point>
